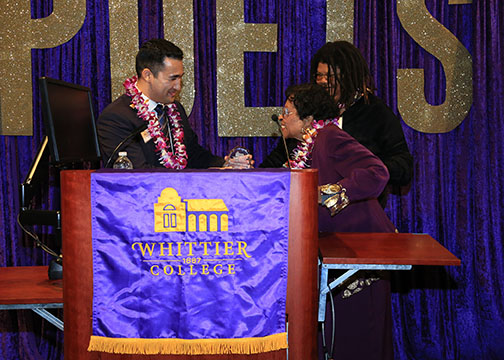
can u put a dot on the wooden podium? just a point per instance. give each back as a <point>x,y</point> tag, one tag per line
<point>302,295</point>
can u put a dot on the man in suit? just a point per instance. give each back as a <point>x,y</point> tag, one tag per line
<point>168,141</point>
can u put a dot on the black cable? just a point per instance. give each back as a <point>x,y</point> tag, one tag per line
<point>333,314</point>
<point>134,133</point>
<point>274,117</point>
<point>38,243</point>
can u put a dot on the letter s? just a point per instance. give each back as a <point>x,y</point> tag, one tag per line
<point>457,65</point>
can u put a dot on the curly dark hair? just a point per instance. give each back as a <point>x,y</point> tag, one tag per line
<point>312,99</point>
<point>354,77</point>
<point>152,54</point>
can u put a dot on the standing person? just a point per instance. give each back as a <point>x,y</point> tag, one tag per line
<point>168,141</point>
<point>350,180</point>
<point>341,69</point>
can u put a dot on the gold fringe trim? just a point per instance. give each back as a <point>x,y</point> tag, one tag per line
<point>188,347</point>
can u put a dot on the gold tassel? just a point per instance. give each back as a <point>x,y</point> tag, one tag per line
<point>188,347</point>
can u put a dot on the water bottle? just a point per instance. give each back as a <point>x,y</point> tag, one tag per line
<point>122,162</point>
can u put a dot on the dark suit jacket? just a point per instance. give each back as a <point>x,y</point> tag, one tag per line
<point>118,120</point>
<point>376,127</point>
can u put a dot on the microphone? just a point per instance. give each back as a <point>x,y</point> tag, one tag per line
<point>274,117</point>
<point>134,133</point>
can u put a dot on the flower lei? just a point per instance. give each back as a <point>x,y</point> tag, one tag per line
<point>176,160</point>
<point>302,153</point>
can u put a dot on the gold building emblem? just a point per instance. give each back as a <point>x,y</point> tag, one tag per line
<point>173,214</point>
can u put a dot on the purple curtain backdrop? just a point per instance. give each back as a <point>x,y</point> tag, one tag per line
<point>456,195</point>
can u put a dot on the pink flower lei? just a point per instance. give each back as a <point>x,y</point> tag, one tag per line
<point>302,153</point>
<point>178,160</point>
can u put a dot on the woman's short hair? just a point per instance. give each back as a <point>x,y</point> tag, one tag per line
<point>354,77</point>
<point>312,99</point>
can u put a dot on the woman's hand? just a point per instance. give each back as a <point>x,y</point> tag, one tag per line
<point>333,197</point>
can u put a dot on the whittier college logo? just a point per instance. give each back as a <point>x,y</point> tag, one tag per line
<point>172,214</point>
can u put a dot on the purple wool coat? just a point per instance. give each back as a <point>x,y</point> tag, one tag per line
<point>363,325</point>
<point>341,159</point>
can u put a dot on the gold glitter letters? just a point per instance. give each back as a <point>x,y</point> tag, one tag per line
<point>19,34</point>
<point>123,23</point>
<point>459,2</point>
<point>179,29</point>
<point>234,37</point>
<point>457,65</point>
<point>340,20</point>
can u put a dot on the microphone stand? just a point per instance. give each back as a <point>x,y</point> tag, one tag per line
<point>134,133</point>
<point>274,117</point>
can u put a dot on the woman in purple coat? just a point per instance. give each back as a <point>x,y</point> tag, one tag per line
<point>350,180</point>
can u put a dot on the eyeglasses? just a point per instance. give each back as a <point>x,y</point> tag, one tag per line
<point>286,112</point>
<point>328,77</point>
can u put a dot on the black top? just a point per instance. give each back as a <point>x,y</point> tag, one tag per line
<point>375,126</point>
<point>119,119</point>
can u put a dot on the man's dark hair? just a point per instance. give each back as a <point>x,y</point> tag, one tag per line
<point>152,54</point>
<point>354,71</point>
<point>312,99</point>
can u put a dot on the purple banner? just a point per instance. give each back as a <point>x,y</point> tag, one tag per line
<point>189,255</point>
